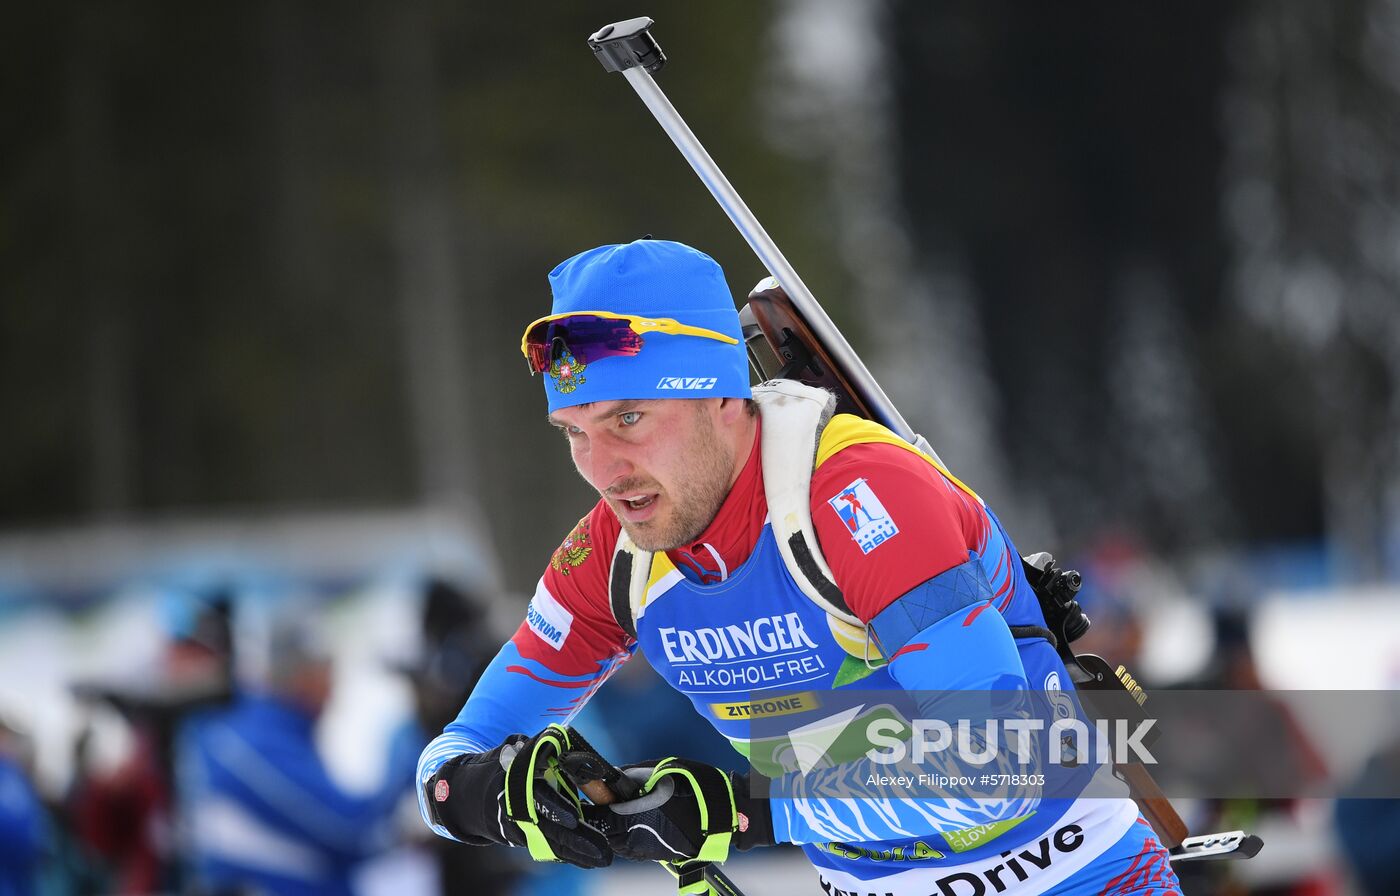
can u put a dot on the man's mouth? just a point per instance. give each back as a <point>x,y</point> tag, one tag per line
<point>638,507</point>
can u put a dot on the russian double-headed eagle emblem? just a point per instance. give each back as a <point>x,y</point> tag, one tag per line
<point>574,550</point>
<point>567,371</point>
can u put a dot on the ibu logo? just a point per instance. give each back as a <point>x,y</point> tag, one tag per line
<point>687,383</point>
<point>863,515</point>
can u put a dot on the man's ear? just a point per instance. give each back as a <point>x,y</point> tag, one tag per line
<point>732,410</point>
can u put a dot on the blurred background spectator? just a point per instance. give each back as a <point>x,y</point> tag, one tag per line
<point>1368,829</point>
<point>122,815</point>
<point>23,826</point>
<point>458,642</point>
<point>1301,860</point>
<point>261,812</point>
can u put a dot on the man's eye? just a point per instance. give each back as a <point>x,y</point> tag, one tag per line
<point>629,418</point>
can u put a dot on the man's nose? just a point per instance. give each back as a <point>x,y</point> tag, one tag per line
<point>609,466</point>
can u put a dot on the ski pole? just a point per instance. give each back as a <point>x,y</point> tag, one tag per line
<point>628,47</point>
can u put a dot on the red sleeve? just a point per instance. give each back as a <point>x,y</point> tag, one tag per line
<point>887,521</point>
<point>569,626</point>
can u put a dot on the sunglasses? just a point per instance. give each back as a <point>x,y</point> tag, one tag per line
<point>591,335</point>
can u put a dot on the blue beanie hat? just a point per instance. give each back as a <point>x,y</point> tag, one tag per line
<point>654,279</point>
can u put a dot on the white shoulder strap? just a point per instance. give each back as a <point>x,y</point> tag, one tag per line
<point>794,416</point>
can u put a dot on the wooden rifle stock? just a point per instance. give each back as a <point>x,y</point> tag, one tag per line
<point>792,351</point>
<point>1154,805</point>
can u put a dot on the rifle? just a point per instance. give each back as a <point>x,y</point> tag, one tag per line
<point>790,336</point>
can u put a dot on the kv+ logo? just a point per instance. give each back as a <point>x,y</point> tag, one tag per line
<point>686,382</point>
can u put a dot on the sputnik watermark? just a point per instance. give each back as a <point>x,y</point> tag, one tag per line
<point>1070,741</point>
<point>1199,744</point>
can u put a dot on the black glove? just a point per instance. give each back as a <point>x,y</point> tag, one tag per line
<point>515,794</point>
<point>686,811</point>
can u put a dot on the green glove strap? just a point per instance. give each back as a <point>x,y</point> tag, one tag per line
<point>719,815</point>
<point>540,752</point>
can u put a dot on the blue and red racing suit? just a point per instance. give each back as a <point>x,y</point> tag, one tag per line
<point>723,622</point>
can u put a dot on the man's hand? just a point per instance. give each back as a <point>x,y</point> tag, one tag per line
<point>515,795</point>
<point>686,811</point>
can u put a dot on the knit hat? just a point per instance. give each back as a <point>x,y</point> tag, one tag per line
<point>675,329</point>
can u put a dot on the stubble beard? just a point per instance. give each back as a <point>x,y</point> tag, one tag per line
<point>695,500</point>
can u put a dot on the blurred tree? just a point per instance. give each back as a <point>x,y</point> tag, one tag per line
<point>426,231</point>
<point>99,283</point>
<point>913,312</point>
<point>1312,206</point>
<point>283,258</point>
<point>1067,163</point>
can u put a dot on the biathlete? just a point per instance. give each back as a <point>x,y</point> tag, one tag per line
<point>647,379</point>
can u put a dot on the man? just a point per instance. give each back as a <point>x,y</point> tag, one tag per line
<point>124,815</point>
<point>647,380</point>
<point>262,812</point>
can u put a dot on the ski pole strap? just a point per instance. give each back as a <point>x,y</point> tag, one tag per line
<point>691,879</point>
<point>719,816</point>
<point>696,878</point>
<point>540,753</point>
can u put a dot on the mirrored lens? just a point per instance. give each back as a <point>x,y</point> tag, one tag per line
<point>585,336</point>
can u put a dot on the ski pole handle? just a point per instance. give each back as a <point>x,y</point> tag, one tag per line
<point>600,780</point>
<point>600,793</point>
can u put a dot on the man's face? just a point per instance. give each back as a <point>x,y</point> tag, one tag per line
<point>662,465</point>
